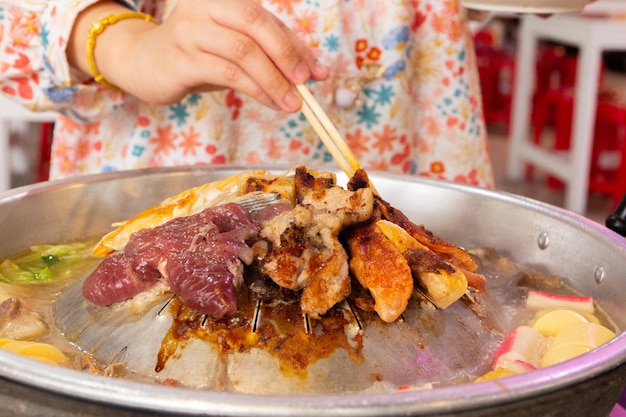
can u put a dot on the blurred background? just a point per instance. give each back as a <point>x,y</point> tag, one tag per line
<point>547,78</point>
<point>589,174</point>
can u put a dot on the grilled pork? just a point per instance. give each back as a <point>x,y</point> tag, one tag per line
<point>305,251</point>
<point>380,268</point>
<point>315,241</point>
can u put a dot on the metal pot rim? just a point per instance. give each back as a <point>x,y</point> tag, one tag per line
<point>189,401</point>
<point>444,399</point>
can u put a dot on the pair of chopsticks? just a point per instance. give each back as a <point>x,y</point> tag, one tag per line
<point>328,133</point>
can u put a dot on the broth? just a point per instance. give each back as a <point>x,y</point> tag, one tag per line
<point>426,347</point>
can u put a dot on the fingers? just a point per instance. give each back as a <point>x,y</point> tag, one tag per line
<point>211,72</point>
<point>317,70</point>
<point>199,64</point>
<point>249,18</point>
<point>265,50</point>
<point>239,62</point>
<point>206,45</point>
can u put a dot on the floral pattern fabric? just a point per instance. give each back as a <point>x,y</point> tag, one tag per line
<point>403,92</point>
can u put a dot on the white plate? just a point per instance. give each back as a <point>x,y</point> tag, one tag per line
<point>527,6</point>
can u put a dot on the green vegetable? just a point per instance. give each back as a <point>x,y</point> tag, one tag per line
<point>46,263</point>
<point>50,259</point>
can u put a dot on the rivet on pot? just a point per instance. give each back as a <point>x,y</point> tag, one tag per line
<point>599,275</point>
<point>543,241</point>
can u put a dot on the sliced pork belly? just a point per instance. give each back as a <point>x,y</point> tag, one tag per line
<point>206,251</point>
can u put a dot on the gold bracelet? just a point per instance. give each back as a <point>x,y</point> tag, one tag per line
<point>96,29</point>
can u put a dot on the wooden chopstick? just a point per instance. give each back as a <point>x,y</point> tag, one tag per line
<point>325,129</point>
<point>329,134</point>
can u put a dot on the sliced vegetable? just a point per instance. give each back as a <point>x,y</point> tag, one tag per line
<point>574,340</point>
<point>46,263</point>
<point>550,323</point>
<point>563,353</point>
<point>34,350</point>
<point>588,334</point>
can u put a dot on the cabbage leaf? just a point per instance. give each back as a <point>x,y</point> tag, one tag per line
<point>47,263</point>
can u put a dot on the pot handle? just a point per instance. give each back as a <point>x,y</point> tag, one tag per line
<point>617,220</point>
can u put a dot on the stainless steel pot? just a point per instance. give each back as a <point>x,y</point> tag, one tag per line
<point>592,257</point>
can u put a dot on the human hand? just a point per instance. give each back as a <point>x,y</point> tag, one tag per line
<point>207,45</point>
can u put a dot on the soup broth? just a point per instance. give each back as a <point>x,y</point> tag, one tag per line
<point>281,352</point>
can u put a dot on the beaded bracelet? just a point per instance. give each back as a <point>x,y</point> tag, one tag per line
<point>96,29</point>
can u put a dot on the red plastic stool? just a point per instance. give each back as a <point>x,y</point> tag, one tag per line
<point>485,75</point>
<point>503,80</point>
<point>45,145</point>
<point>546,70</point>
<point>560,101</point>
<point>608,160</point>
<point>556,69</point>
<point>485,51</point>
<point>609,135</point>
<point>496,71</point>
<point>555,106</point>
<point>483,41</point>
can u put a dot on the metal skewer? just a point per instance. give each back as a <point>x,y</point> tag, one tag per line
<point>256,316</point>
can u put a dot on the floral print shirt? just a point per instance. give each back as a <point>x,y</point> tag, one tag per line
<point>403,92</point>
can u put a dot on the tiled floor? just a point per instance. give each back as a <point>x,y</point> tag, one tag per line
<point>599,206</point>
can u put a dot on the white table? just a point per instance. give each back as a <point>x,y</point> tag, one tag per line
<point>12,112</point>
<point>592,35</point>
